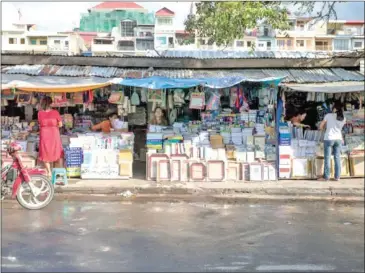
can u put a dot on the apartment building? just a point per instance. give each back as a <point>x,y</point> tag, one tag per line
<point>165,33</point>
<point>347,35</point>
<point>24,38</point>
<point>122,28</point>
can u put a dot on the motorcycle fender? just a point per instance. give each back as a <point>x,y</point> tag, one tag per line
<point>16,185</point>
<point>36,172</point>
<point>21,178</point>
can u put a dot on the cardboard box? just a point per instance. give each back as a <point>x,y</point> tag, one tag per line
<point>357,164</point>
<point>256,172</point>
<point>318,168</point>
<point>125,155</point>
<point>126,168</point>
<point>301,168</point>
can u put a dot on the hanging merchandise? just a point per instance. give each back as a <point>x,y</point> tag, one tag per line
<point>197,101</point>
<point>233,97</point>
<point>24,99</point>
<point>67,121</point>
<point>155,95</point>
<point>245,106</point>
<point>239,100</point>
<point>116,98</point>
<point>173,116</point>
<point>179,97</point>
<point>144,95</point>
<point>213,101</point>
<point>170,101</point>
<point>59,100</point>
<point>8,94</point>
<point>77,98</point>
<point>135,98</point>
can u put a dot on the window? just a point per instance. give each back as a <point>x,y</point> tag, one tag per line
<point>281,43</point>
<point>171,41</point>
<point>102,42</point>
<point>341,45</point>
<point>266,31</point>
<point>288,42</point>
<point>22,41</point>
<point>126,45</point>
<point>202,42</point>
<point>12,41</point>
<point>300,43</point>
<point>144,45</point>
<point>165,21</point>
<point>127,28</point>
<point>161,41</point>
<point>268,45</point>
<point>33,41</point>
<point>358,45</point>
<point>57,42</point>
<point>249,44</point>
<point>43,42</point>
<point>240,43</point>
<point>66,43</point>
<point>261,45</point>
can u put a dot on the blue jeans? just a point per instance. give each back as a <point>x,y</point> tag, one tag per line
<point>328,146</point>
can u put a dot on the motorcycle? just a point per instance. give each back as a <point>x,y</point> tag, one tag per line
<point>22,183</point>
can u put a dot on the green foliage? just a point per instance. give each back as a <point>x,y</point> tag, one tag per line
<point>226,21</point>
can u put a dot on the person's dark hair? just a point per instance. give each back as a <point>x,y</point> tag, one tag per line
<point>301,111</point>
<point>337,107</point>
<point>112,115</point>
<point>46,103</point>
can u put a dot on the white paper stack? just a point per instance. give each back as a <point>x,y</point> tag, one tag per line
<point>260,129</point>
<point>226,137</point>
<point>204,138</point>
<point>237,138</point>
<point>252,114</point>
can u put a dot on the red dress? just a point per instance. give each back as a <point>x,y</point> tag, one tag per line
<point>50,145</point>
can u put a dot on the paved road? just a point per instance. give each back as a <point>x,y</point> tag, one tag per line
<point>183,237</point>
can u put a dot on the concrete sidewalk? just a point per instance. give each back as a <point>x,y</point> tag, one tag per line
<point>346,188</point>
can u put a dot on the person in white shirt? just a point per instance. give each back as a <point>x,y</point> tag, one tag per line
<point>334,123</point>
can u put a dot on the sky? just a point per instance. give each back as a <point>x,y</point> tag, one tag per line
<point>51,16</point>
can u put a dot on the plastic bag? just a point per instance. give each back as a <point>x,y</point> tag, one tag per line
<point>213,102</point>
<point>135,98</point>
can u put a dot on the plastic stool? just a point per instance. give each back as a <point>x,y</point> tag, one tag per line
<point>59,171</point>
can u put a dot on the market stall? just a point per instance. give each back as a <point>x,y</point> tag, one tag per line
<point>219,129</point>
<point>301,152</point>
<point>81,103</point>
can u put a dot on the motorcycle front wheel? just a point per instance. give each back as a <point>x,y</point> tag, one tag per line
<point>42,187</point>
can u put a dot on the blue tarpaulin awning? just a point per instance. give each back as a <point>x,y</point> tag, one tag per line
<point>158,82</point>
<point>161,82</point>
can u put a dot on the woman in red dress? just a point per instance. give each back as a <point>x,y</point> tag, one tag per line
<point>50,145</point>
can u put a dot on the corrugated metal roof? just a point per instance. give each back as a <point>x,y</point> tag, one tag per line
<point>292,75</point>
<point>280,73</point>
<point>313,75</point>
<point>230,54</point>
<point>348,75</point>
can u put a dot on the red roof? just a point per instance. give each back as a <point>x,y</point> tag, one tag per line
<point>182,32</point>
<point>354,22</point>
<point>87,37</point>
<point>118,5</point>
<point>165,12</point>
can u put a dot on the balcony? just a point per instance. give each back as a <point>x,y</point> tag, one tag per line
<point>251,33</point>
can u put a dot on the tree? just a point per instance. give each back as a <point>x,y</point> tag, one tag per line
<point>226,21</point>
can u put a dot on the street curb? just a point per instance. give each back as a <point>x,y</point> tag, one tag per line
<point>321,192</point>
<point>185,198</point>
